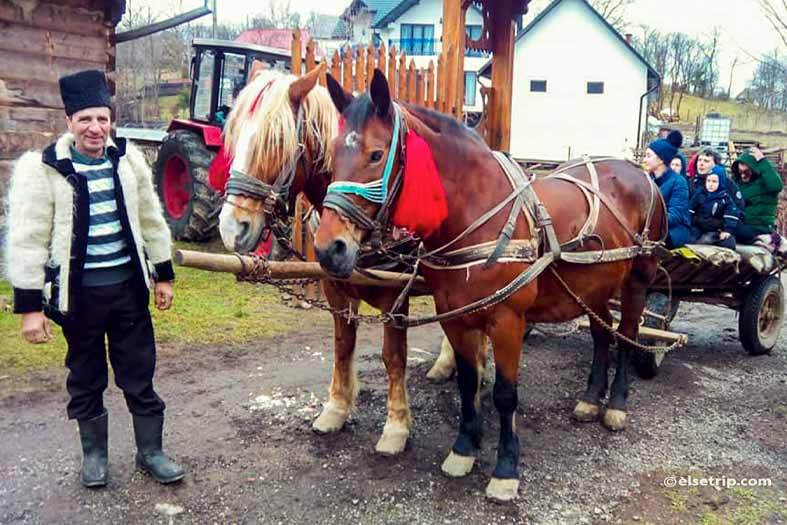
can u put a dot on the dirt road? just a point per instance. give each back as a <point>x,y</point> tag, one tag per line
<point>239,419</point>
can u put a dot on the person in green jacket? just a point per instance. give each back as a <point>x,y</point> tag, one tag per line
<point>760,185</point>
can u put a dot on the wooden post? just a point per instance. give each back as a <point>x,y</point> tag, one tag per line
<point>440,95</point>
<point>347,69</point>
<point>311,61</point>
<point>454,53</point>
<point>382,64</point>
<point>370,63</point>
<point>360,70</point>
<point>297,58</point>
<point>411,82</point>
<point>401,92</point>
<point>430,97</point>
<point>392,71</point>
<point>420,80</point>
<point>502,74</point>
<point>336,66</point>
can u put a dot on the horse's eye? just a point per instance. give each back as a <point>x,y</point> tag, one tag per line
<point>376,156</point>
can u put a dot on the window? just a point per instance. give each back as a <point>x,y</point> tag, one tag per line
<point>233,78</point>
<point>470,87</point>
<point>204,92</point>
<point>473,32</point>
<point>538,86</point>
<point>595,88</point>
<point>417,39</point>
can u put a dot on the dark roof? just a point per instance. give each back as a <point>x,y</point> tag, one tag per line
<point>487,68</point>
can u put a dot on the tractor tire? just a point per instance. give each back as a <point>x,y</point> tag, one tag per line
<point>181,177</point>
<point>761,316</point>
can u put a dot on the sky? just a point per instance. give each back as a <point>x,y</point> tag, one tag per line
<point>746,33</point>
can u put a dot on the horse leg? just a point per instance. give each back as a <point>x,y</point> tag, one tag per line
<point>466,344</point>
<point>445,365</point>
<point>398,423</point>
<point>506,333</point>
<point>344,385</point>
<point>589,405</point>
<point>632,306</point>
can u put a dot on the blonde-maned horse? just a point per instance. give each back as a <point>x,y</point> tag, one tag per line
<point>268,143</point>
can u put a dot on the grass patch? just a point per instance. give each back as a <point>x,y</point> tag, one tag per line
<point>209,309</point>
<point>744,116</point>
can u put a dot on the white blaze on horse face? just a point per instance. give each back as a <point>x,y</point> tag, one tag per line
<point>352,140</point>
<point>229,228</point>
<point>241,154</point>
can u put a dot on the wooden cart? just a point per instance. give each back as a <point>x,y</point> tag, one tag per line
<point>747,280</point>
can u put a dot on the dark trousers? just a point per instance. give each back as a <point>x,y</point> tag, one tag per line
<point>746,234</point>
<point>118,314</point>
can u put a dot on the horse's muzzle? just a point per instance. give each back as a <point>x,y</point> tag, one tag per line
<point>338,259</point>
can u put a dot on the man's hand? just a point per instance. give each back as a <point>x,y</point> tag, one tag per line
<point>164,295</point>
<point>757,153</point>
<point>36,328</point>
<point>724,235</point>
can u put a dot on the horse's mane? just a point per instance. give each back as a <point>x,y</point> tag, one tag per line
<point>276,140</point>
<point>441,123</point>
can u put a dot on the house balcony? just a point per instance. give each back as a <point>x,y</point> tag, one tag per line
<point>427,47</point>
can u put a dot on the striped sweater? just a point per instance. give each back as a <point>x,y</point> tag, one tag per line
<point>106,244</point>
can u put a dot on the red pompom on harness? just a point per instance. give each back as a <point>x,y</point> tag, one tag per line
<point>421,207</point>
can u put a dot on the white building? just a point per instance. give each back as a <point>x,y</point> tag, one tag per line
<point>579,86</point>
<point>415,27</point>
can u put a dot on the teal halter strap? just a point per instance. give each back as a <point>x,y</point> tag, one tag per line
<point>375,191</point>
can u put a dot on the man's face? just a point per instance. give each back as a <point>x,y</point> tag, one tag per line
<point>745,172</point>
<point>712,182</point>
<point>705,164</point>
<point>90,128</point>
<point>651,161</point>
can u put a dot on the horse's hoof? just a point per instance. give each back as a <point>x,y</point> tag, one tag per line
<point>586,412</point>
<point>615,419</point>
<point>331,419</point>
<point>502,490</point>
<point>393,440</point>
<point>457,466</point>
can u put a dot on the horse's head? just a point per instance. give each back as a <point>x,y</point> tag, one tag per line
<point>366,158</point>
<point>276,135</point>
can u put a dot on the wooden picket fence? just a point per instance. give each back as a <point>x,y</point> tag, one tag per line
<point>354,70</point>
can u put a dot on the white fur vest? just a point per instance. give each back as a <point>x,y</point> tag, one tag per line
<point>48,220</point>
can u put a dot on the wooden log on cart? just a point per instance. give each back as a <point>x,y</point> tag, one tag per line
<point>651,333</point>
<point>224,263</point>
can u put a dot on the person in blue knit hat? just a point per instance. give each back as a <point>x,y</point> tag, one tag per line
<point>673,186</point>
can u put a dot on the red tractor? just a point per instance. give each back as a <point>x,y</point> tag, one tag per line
<point>219,70</point>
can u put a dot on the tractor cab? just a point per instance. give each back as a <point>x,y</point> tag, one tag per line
<point>219,70</point>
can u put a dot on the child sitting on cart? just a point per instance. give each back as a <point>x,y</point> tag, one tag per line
<point>714,215</point>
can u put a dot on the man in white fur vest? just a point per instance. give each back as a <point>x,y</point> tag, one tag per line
<point>83,222</point>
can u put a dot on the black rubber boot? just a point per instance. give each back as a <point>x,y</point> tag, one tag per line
<point>150,457</point>
<point>93,434</point>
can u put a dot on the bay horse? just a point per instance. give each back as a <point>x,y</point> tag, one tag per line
<point>281,127</point>
<point>466,182</point>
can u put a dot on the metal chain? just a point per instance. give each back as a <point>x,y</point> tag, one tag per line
<point>260,273</point>
<point>615,333</point>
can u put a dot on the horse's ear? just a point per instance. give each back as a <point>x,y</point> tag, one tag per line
<point>341,98</point>
<point>256,68</point>
<point>380,94</point>
<point>303,85</point>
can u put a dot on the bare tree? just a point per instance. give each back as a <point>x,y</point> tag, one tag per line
<point>613,11</point>
<point>776,13</point>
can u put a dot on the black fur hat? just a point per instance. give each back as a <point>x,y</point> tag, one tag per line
<point>85,89</point>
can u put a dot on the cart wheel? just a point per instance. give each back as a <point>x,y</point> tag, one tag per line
<point>647,363</point>
<point>762,316</point>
